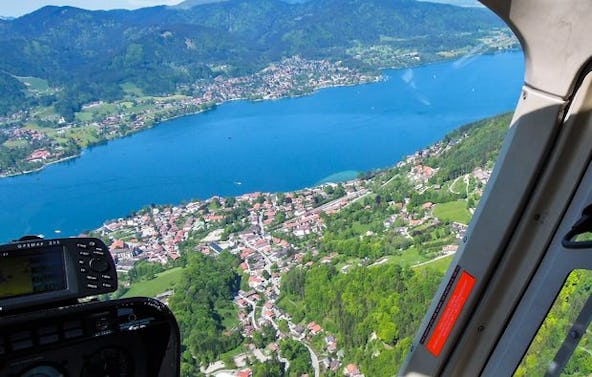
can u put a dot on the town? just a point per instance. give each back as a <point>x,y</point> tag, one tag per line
<point>43,137</point>
<point>268,232</point>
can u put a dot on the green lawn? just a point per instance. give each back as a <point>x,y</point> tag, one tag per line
<point>16,143</point>
<point>230,316</point>
<point>83,136</point>
<point>408,257</point>
<point>453,211</point>
<point>97,112</point>
<point>161,283</point>
<point>131,88</point>
<point>34,83</point>
<point>287,304</point>
<point>44,111</point>
<point>437,264</point>
<point>459,186</point>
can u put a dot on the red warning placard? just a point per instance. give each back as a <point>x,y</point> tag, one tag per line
<point>453,308</point>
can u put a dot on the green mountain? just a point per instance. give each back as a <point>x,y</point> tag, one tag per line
<point>89,55</point>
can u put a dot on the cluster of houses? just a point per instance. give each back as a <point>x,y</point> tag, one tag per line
<point>154,234</point>
<point>290,75</point>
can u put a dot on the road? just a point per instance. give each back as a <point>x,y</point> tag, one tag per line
<point>356,195</point>
<point>432,260</point>
<point>313,356</point>
<point>252,313</point>
<point>465,179</point>
<point>314,359</point>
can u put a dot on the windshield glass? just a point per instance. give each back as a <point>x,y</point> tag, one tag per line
<point>290,177</point>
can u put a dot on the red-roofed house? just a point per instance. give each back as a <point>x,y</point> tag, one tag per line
<point>352,370</point>
<point>117,244</point>
<point>244,373</point>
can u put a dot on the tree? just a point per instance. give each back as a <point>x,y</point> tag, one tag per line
<point>230,201</point>
<point>270,368</point>
<point>298,355</point>
<point>202,301</point>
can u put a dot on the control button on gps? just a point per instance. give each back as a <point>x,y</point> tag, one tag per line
<point>92,286</point>
<point>107,277</point>
<point>48,339</point>
<point>92,277</point>
<point>84,253</point>
<point>73,333</point>
<point>81,245</point>
<point>21,340</point>
<point>92,243</point>
<point>107,285</point>
<point>83,270</point>
<point>48,334</point>
<point>99,265</point>
<point>22,344</point>
<point>99,252</point>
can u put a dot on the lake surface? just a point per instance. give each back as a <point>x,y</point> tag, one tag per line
<point>267,146</point>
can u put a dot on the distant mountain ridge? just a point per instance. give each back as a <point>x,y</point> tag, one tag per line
<point>460,3</point>
<point>90,55</point>
<point>188,4</point>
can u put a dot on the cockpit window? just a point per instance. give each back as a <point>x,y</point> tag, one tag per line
<point>562,346</point>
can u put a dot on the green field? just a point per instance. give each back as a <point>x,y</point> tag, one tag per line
<point>161,283</point>
<point>459,186</point>
<point>34,83</point>
<point>408,257</point>
<point>453,211</point>
<point>97,112</point>
<point>16,144</point>
<point>83,136</point>
<point>132,89</point>
<point>437,264</point>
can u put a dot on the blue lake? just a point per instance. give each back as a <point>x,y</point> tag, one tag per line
<point>268,146</point>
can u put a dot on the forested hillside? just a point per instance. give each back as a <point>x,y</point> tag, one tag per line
<point>375,311</point>
<point>203,308</point>
<point>95,55</point>
<point>396,200</point>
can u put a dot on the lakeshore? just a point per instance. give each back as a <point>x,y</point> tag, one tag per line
<point>269,146</point>
<point>100,122</point>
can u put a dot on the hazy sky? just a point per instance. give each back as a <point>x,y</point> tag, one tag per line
<point>16,8</point>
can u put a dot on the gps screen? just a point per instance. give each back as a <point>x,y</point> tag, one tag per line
<point>32,273</point>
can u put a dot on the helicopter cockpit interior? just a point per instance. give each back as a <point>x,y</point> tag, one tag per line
<point>45,331</point>
<point>523,244</point>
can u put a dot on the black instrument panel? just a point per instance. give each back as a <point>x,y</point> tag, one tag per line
<point>135,337</point>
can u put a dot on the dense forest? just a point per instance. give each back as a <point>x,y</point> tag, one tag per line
<point>203,306</point>
<point>94,55</point>
<point>374,311</point>
<point>480,146</point>
<point>568,304</point>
